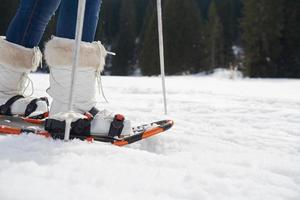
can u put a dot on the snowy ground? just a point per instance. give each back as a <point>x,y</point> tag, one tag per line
<point>233,139</point>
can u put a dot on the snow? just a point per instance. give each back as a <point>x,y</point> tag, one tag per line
<point>233,139</point>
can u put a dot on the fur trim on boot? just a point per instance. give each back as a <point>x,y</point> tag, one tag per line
<point>59,54</point>
<point>18,58</point>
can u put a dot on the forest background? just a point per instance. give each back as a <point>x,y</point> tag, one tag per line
<point>261,38</point>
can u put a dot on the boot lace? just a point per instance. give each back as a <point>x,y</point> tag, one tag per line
<point>25,79</point>
<point>103,54</point>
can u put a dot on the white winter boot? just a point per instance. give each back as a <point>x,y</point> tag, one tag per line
<point>15,63</point>
<point>58,54</point>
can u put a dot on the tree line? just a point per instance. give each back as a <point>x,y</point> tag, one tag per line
<point>260,37</point>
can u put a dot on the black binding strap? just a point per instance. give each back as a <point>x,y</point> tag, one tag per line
<point>116,126</point>
<point>31,107</point>
<point>5,109</point>
<point>81,127</point>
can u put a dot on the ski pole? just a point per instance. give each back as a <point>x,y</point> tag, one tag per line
<point>76,51</point>
<point>161,53</point>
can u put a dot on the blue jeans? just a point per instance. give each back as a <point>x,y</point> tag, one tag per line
<point>32,17</point>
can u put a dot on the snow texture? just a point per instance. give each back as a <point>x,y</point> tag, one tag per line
<point>232,140</point>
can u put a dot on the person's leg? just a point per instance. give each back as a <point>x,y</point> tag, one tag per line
<point>66,25</point>
<point>59,56</point>
<point>19,55</point>
<point>29,23</point>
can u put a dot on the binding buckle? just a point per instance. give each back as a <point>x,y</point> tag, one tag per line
<point>116,126</point>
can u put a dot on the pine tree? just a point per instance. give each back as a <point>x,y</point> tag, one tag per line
<point>183,31</point>
<point>109,23</point>
<point>263,25</point>
<point>290,57</point>
<point>124,62</point>
<point>204,7</point>
<point>148,49</point>
<point>215,39</point>
<point>109,32</point>
<point>141,14</point>
<point>229,12</point>
<point>8,9</point>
